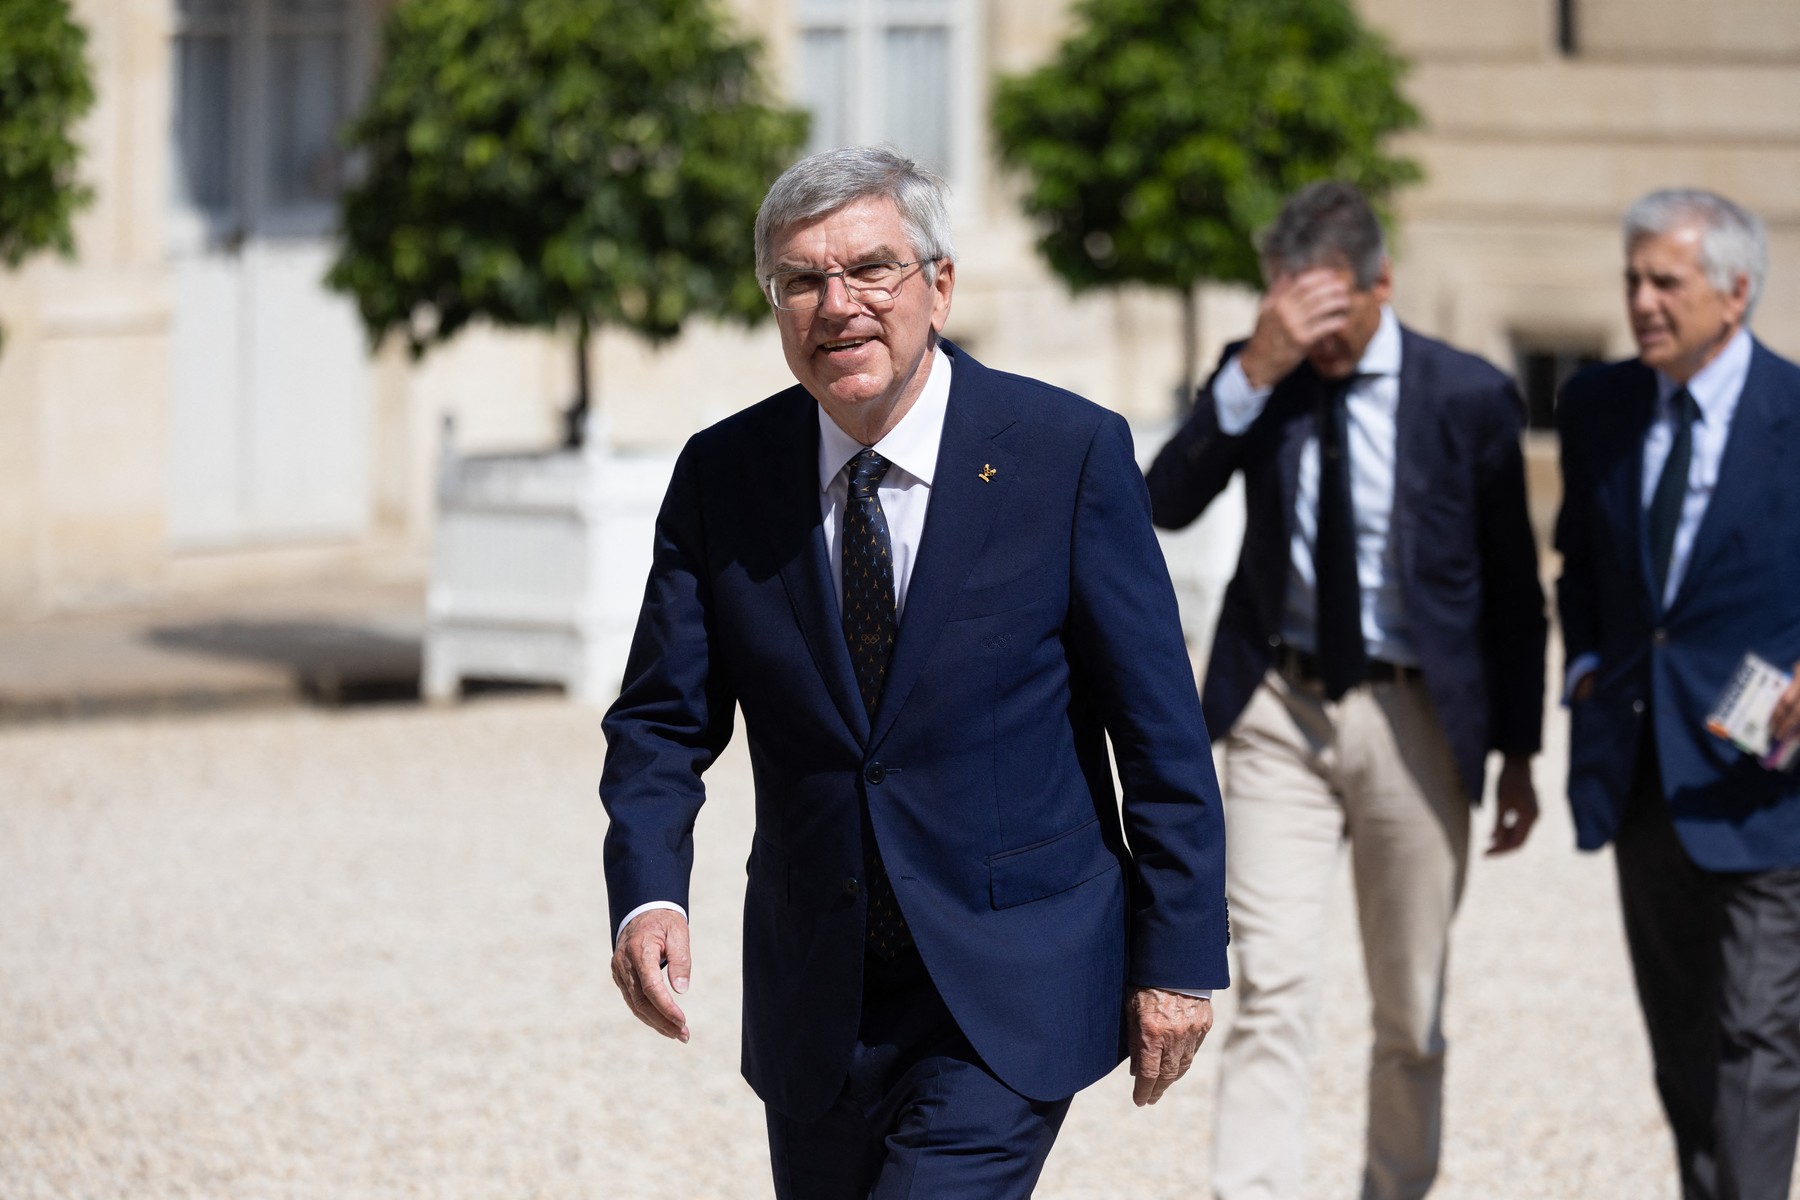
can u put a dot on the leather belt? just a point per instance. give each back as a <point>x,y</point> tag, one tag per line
<point>1303,667</point>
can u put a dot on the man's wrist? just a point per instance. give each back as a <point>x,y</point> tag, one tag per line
<point>641,909</point>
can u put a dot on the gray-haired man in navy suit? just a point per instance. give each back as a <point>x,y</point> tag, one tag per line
<point>934,592</point>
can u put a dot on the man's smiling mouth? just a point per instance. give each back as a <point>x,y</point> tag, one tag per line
<point>843,344</point>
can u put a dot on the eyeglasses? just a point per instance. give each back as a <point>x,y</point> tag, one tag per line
<point>870,282</point>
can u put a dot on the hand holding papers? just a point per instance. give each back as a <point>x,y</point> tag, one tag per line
<point>1742,714</point>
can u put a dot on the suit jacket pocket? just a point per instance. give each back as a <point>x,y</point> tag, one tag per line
<point>768,869</point>
<point>1048,867</point>
<point>994,599</point>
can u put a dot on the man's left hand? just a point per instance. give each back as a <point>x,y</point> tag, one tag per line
<point>1166,1030</point>
<point>1784,720</point>
<point>1515,805</point>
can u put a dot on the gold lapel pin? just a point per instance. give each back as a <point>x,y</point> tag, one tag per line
<point>987,473</point>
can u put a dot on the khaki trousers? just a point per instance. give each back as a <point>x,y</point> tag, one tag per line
<point>1302,776</point>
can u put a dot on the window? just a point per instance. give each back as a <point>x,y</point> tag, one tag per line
<point>1543,368</point>
<point>261,90</point>
<point>1567,35</point>
<point>895,71</point>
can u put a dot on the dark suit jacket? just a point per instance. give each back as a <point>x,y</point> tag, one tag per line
<point>1463,541</point>
<point>1741,591</point>
<point>1039,619</point>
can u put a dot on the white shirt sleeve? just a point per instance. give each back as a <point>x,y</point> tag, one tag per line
<point>1238,404</point>
<point>641,909</point>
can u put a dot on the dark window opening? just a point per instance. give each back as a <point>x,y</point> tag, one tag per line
<point>1543,369</point>
<point>1565,28</point>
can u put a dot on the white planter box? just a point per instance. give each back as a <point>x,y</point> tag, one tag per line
<point>538,566</point>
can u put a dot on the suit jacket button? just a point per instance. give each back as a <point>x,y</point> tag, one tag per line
<point>1637,706</point>
<point>875,773</point>
<point>850,886</point>
<point>1660,637</point>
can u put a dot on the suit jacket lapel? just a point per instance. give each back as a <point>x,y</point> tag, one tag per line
<point>1412,451</point>
<point>963,506</point>
<point>1621,492</point>
<point>789,496</point>
<point>1748,462</point>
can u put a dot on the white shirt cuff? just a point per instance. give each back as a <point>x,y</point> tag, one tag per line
<point>641,909</point>
<point>1196,993</point>
<point>1237,403</point>
<point>1578,670</point>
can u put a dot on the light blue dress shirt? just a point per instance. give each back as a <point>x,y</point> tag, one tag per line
<point>1372,404</point>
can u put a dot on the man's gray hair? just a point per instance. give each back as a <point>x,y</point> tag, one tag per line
<point>1323,224</point>
<point>1732,240</point>
<point>826,182</point>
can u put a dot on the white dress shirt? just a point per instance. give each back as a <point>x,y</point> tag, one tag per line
<point>1716,388</point>
<point>1371,406</point>
<point>911,448</point>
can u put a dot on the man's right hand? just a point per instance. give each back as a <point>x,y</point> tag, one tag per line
<point>652,940</point>
<point>1296,312</point>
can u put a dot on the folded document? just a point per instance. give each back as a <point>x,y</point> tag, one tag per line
<point>1741,715</point>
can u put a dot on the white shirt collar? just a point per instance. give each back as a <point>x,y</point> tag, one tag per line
<point>1382,355</point>
<point>1716,386</point>
<point>912,445</point>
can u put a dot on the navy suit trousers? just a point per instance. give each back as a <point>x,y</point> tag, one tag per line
<point>1717,960</point>
<point>920,1115</point>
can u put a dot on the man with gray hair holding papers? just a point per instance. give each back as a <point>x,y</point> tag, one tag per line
<point>1680,535</point>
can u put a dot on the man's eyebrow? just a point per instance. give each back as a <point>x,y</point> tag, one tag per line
<point>881,253</point>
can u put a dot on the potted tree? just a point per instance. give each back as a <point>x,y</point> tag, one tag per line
<point>44,90</point>
<point>563,165</point>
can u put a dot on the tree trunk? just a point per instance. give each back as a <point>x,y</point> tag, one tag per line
<point>1190,349</point>
<point>575,419</point>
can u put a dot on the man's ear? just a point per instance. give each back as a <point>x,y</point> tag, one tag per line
<point>1383,287</point>
<point>1737,300</point>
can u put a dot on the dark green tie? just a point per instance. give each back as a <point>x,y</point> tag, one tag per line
<point>1337,592</point>
<point>869,626</point>
<point>1671,488</point>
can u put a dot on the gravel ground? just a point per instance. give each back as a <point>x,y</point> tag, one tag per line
<point>301,954</point>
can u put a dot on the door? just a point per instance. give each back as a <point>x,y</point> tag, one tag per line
<point>270,426</point>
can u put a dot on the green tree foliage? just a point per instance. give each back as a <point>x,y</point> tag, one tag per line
<point>567,164</point>
<point>1165,133</point>
<point>44,90</point>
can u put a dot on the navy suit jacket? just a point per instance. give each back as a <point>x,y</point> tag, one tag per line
<point>1740,592</point>
<point>1039,620</point>
<point>1462,538</point>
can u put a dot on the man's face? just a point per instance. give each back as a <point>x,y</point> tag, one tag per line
<point>865,363</point>
<point>1680,320</point>
<point>1336,354</point>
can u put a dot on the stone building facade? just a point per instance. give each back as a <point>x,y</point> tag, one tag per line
<point>182,406</point>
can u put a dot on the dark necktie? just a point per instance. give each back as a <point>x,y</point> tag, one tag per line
<point>869,624</point>
<point>1671,488</point>
<point>1337,593</point>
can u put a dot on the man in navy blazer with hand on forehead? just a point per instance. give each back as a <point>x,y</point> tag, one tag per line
<point>934,592</point>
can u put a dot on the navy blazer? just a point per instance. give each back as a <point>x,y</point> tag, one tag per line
<point>1462,538</point>
<point>1039,621</point>
<point>1740,592</point>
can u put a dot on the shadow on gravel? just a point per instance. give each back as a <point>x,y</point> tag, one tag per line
<point>330,663</point>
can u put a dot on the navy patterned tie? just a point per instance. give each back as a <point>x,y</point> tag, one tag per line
<point>869,624</point>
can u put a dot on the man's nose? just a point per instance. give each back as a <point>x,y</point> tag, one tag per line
<point>837,300</point>
<point>1640,297</point>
